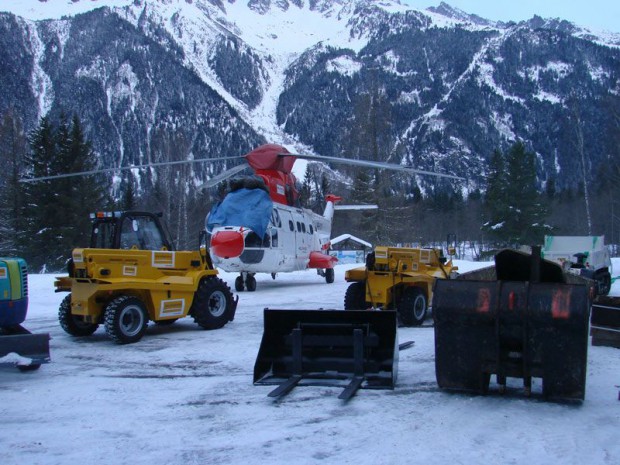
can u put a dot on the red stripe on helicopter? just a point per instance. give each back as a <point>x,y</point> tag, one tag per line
<point>321,260</point>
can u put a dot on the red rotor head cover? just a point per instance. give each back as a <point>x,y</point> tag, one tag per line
<point>266,157</point>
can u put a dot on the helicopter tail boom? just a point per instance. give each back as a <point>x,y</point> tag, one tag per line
<point>330,206</point>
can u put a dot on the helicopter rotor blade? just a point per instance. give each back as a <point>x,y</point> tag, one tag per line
<point>371,164</point>
<point>223,176</point>
<point>356,207</point>
<point>123,168</point>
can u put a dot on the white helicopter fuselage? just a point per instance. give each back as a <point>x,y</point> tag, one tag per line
<point>295,239</point>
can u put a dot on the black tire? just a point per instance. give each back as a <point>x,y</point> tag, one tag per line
<point>31,367</point>
<point>126,319</point>
<point>329,275</point>
<point>412,308</point>
<point>250,283</point>
<point>355,296</point>
<point>607,286</point>
<point>74,324</point>
<point>239,286</point>
<point>212,307</point>
<point>603,283</point>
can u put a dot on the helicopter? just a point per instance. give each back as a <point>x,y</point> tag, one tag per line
<point>260,225</point>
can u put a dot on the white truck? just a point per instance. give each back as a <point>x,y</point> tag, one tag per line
<point>586,256</point>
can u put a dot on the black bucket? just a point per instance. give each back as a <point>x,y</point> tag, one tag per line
<point>17,339</point>
<point>605,322</point>
<point>328,347</point>
<point>516,329</point>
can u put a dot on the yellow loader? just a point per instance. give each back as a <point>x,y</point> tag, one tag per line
<point>131,275</point>
<point>398,278</point>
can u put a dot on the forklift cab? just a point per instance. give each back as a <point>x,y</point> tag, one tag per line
<point>128,230</point>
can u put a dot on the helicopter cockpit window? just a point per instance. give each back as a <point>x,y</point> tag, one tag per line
<point>274,237</point>
<point>253,240</point>
<point>275,218</point>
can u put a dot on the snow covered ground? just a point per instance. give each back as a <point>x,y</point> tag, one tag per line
<point>183,396</point>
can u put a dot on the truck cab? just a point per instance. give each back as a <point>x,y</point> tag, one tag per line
<point>585,256</point>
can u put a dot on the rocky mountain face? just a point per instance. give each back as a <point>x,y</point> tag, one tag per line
<point>438,90</point>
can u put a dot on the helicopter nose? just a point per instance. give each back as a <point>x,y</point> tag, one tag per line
<point>227,244</point>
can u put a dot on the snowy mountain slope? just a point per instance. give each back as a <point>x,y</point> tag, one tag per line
<point>454,86</point>
<point>267,38</point>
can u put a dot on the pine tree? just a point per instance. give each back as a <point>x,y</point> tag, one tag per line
<point>369,138</point>
<point>526,214</point>
<point>128,194</point>
<point>514,208</point>
<point>306,189</point>
<point>12,151</point>
<point>550,189</point>
<point>87,193</point>
<point>323,191</point>
<point>64,200</point>
<point>39,198</point>
<point>57,210</point>
<point>495,205</point>
<point>363,194</point>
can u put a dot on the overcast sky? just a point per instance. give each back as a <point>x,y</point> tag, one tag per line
<point>594,14</point>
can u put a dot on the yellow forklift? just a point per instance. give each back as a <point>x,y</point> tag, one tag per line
<point>131,275</point>
<point>398,278</point>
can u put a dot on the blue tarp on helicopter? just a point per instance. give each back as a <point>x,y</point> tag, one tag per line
<point>250,208</point>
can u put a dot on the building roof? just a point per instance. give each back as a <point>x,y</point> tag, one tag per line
<point>344,237</point>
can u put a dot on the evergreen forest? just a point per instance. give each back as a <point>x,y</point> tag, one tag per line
<point>43,221</point>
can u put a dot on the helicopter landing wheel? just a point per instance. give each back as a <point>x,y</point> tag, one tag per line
<point>239,284</point>
<point>250,283</point>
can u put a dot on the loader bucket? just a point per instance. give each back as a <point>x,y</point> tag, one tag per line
<point>18,340</point>
<point>353,349</point>
<point>516,329</point>
<point>605,322</point>
<point>512,265</point>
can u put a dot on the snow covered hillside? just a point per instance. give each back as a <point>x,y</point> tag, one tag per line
<point>185,396</point>
<point>214,77</point>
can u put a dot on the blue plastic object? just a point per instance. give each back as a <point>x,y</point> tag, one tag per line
<point>13,291</point>
<point>250,208</point>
